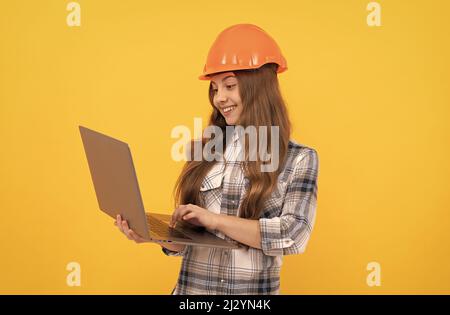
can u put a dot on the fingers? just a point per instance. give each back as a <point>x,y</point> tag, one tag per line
<point>181,211</point>
<point>176,214</point>
<point>119,223</point>
<point>126,229</point>
<point>174,217</point>
<point>136,237</point>
<point>189,216</point>
<point>123,226</point>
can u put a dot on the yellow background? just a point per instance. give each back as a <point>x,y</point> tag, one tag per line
<point>373,101</point>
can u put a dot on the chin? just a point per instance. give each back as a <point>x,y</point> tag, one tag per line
<point>231,122</point>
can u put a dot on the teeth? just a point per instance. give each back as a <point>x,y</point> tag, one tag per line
<point>227,109</point>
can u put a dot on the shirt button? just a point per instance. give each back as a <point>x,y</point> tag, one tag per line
<point>221,280</point>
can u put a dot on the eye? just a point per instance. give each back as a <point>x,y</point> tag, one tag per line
<point>231,86</point>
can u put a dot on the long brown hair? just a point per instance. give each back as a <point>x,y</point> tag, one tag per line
<point>263,105</point>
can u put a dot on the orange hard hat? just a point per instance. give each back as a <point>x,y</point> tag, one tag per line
<point>242,46</point>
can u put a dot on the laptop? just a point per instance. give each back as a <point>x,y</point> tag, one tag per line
<point>117,190</point>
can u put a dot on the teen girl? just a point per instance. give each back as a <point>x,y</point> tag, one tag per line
<point>270,214</point>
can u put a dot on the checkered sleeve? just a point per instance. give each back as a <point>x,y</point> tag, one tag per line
<point>289,233</point>
<point>169,252</point>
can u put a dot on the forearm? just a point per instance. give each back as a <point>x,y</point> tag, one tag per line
<point>244,231</point>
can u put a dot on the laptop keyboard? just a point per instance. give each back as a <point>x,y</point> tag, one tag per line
<point>162,229</point>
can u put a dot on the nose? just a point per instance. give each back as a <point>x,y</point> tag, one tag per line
<point>221,96</point>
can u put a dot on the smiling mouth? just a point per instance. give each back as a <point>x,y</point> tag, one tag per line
<point>229,109</point>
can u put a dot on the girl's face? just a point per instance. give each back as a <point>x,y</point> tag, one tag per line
<point>226,96</point>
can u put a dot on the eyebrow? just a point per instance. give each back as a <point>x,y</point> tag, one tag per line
<point>229,76</point>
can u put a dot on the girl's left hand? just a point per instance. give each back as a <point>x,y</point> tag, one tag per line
<point>194,215</point>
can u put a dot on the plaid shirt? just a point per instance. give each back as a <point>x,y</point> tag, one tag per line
<point>285,223</point>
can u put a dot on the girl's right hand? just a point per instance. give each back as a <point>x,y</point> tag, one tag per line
<point>123,227</point>
<point>129,233</point>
